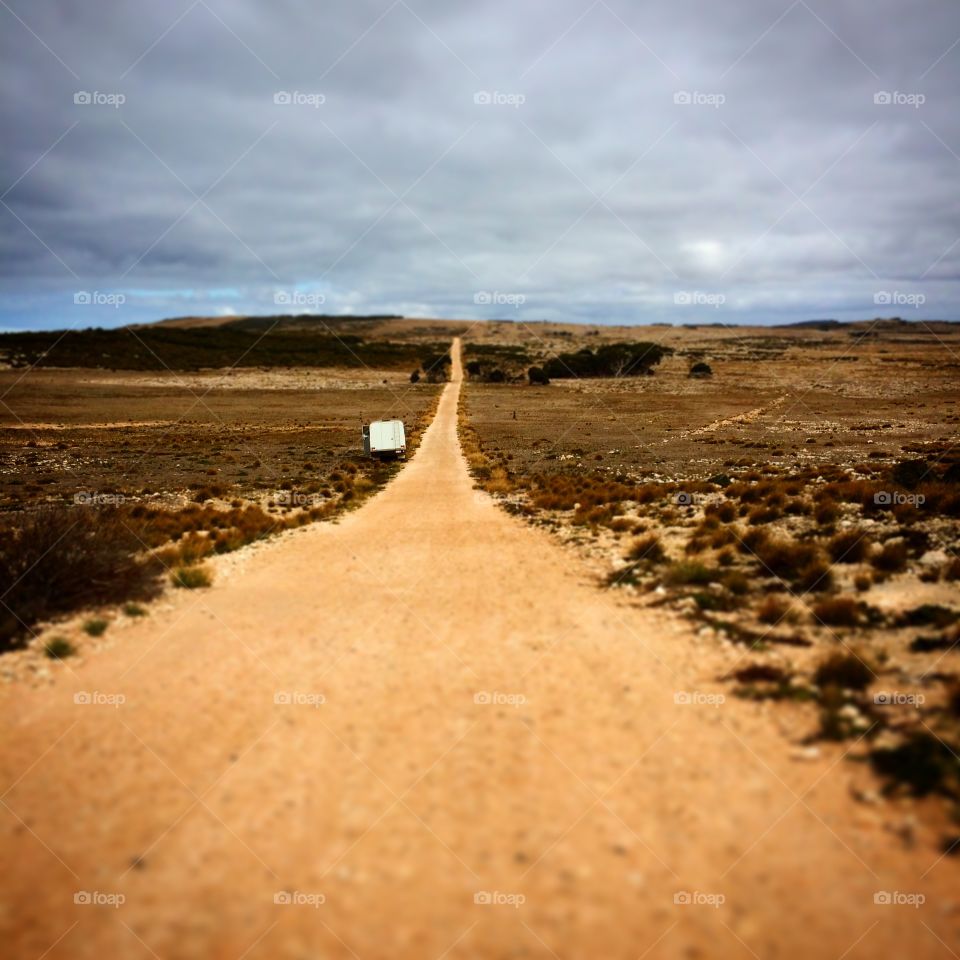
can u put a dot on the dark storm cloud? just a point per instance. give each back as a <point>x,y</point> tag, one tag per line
<point>586,185</point>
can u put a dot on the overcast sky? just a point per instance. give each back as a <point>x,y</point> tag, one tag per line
<point>677,160</point>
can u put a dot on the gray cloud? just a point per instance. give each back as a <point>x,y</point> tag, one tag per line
<point>780,191</point>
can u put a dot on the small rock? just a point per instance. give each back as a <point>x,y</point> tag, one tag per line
<point>805,753</point>
<point>906,829</point>
<point>867,795</point>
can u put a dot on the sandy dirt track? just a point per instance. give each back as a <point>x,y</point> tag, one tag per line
<point>405,714</point>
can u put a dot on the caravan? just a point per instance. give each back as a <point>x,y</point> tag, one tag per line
<point>385,438</point>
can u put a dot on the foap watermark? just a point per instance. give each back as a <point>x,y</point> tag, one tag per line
<point>497,898</point>
<point>98,898</point>
<point>896,98</point>
<point>298,98</point>
<point>697,698</point>
<point>697,98</point>
<point>298,898</point>
<point>894,498</point>
<point>90,498</point>
<point>96,298</point>
<point>896,298</point>
<point>298,698</point>
<point>497,699</point>
<point>698,298</point>
<point>897,898</point>
<point>497,98</point>
<point>892,698</point>
<point>297,298</point>
<point>684,499</point>
<point>293,498</point>
<point>497,298</point>
<point>697,898</point>
<point>87,98</point>
<point>97,698</point>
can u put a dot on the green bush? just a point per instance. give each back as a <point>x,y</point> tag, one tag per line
<point>58,648</point>
<point>95,626</point>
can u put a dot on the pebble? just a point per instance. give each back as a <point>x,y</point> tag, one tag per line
<point>867,795</point>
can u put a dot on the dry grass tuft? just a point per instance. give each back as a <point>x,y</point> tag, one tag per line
<point>837,611</point>
<point>892,558</point>
<point>850,546</point>
<point>772,610</point>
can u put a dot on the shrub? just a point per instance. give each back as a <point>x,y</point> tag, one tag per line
<point>58,648</point>
<point>908,473</point>
<point>754,540</point>
<point>837,611</point>
<point>850,546</point>
<point>785,558</point>
<point>917,541</point>
<point>947,641</point>
<point>689,572</point>
<point>499,481</point>
<point>929,615</point>
<point>816,575</point>
<point>589,516</point>
<point>194,547</point>
<point>95,626</point>
<point>725,511</point>
<point>845,671</point>
<point>772,610</point>
<point>892,558</point>
<point>537,376</point>
<point>58,560</point>
<point>922,764</point>
<point>726,557</point>
<point>759,673</point>
<point>190,578</point>
<point>134,610</point>
<point>735,581</point>
<point>826,513</point>
<point>701,369</point>
<point>647,549</point>
<point>765,514</point>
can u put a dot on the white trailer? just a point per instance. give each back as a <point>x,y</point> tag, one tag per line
<point>385,438</point>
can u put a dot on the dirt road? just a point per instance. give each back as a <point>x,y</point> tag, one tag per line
<point>422,732</point>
